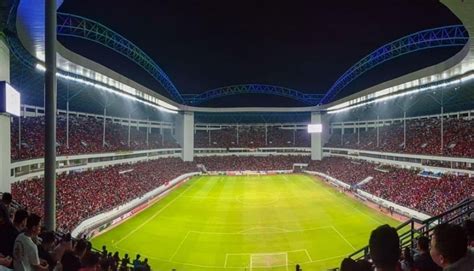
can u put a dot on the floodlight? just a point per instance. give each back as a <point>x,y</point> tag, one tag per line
<point>9,99</point>
<point>315,128</point>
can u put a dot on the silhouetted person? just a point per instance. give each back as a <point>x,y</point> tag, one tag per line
<point>449,248</point>
<point>384,247</point>
<point>423,260</point>
<point>5,208</point>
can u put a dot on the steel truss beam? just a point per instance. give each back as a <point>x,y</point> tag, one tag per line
<point>80,27</point>
<point>310,99</point>
<point>448,36</point>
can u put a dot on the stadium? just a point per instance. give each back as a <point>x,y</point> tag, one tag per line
<point>224,136</point>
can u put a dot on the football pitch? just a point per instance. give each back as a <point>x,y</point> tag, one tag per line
<point>237,223</point>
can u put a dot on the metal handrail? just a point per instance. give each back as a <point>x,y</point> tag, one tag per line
<point>453,215</point>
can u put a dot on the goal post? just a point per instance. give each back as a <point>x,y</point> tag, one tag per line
<point>261,261</point>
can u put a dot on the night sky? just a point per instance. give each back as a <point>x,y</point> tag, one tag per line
<point>304,45</point>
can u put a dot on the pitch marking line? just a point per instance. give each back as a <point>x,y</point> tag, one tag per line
<point>179,246</point>
<point>225,262</point>
<point>310,260</point>
<point>154,215</point>
<point>309,256</point>
<point>230,267</point>
<point>343,238</point>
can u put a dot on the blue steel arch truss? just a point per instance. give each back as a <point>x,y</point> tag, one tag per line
<point>80,27</point>
<point>454,35</point>
<point>310,99</point>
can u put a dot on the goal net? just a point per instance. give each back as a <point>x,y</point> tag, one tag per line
<point>262,261</point>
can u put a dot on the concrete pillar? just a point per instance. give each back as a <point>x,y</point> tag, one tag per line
<point>316,138</point>
<point>5,61</point>
<point>5,151</point>
<point>185,135</point>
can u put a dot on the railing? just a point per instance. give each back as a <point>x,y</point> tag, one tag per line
<point>413,228</point>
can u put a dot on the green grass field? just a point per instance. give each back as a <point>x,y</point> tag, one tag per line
<point>247,223</point>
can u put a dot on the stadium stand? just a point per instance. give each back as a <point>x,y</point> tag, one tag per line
<point>405,187</point>
<point>423,137</point>
<point>346,170</point>
<point>85,137</point>
<point>251,136</point>
<point>254,163</point>
<point>426,194</point>
<point>104,188</point>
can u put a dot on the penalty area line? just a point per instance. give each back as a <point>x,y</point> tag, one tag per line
<point>179,246</point>
<point>343,238</point>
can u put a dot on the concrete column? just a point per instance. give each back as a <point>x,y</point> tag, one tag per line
<point>5,153</point>
<point>67,124</point>
<point>294,135</point>
<point>342,134</point>
<point>148,130</point>
<point>266,135</point>
<point>5,148</point>
<point>185,135</point>
<point>442,129</point>
<point>129,126</point>
<point>103,126</point>
<point>209,136</point>
<point>316,138</point>
<point>378,136</point>
<point>162,136</point>
<point>404,129</point>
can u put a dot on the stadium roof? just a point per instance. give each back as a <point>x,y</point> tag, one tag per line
<point>303,46</point>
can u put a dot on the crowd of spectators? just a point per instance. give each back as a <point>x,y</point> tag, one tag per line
<point>103,189</point>
<point>249,136</point>
<point>423,137</point>
<point>254,163</point>
<point>85,136</point>
<point>25,246</point>
<point>428,194</point>
<point>349,171</point>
